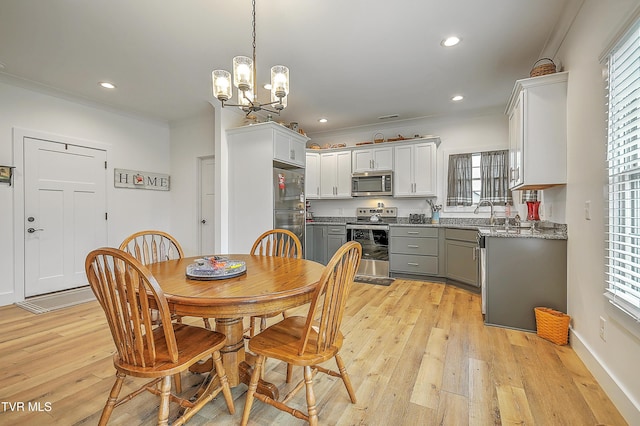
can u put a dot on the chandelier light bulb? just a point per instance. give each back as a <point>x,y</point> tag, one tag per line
<point>280,81</point>
<point>221,85</point>
<point>243,73</point>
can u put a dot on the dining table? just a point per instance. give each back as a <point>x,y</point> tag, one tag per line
<point>270,284</point>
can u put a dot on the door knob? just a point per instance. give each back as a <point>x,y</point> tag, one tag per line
<point>32,230</point>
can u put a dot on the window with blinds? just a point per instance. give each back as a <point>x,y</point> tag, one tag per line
<point>622,264</point>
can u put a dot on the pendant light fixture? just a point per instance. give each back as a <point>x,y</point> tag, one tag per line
<point>244,79</point>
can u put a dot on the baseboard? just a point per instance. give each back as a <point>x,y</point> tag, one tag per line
<point>629,408</point>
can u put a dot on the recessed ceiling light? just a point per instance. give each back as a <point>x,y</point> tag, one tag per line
<point>387,117</point>
<point>323,120</point>
<point>457,98</point>
<point>107,85</point>
<point>450,41</point>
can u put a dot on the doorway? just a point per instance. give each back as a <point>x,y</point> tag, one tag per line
<point>64,213</point>
<point>207,205</point>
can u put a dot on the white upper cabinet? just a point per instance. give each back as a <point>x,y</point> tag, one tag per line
<point>414,174</point>
<point>335,174</point>
<point>369,159</point>
<point>288,146</point>
<point>537,112</point>
<point>312,175</point>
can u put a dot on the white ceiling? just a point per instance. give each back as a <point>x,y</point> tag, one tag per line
<point>350,61</point>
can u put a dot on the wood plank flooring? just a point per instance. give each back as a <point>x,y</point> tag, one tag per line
<point>418,353</point>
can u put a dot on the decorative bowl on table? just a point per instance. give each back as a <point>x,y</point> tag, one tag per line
<point>215,268</point>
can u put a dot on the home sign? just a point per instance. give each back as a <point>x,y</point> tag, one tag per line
<point>140,180</point>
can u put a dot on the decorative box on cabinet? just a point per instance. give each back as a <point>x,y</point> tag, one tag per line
<point>537,113</point>
<point>414,172</point>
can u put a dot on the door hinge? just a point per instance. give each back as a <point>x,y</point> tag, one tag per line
<point>106,216</point>
<point>105,164</point>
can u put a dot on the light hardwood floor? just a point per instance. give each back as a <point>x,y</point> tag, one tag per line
<point>418,353</point>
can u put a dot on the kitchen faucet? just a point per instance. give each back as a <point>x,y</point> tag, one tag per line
<point>492,218</point>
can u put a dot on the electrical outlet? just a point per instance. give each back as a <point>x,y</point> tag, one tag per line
<point>603,322</point>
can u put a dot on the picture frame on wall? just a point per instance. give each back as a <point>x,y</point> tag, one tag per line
<point>5,174</point>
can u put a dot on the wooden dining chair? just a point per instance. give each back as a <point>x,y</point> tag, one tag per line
<point>152,246</point>
<point>127,291</point>
<point>275,242</point>
<point>311,340</point>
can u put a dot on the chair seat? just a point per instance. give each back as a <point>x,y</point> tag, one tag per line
<point>282,341</point>
<point>194,344</point>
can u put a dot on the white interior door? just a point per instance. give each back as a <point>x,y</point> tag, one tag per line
<point>65,213</point>
<point>207,204</point>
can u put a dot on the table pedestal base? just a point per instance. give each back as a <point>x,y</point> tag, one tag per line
<point>233,354</point>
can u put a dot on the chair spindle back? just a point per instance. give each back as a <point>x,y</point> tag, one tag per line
<point>124,288</point>
<point>330,298</point>
<point>278,242</point>
<point>152,246</point>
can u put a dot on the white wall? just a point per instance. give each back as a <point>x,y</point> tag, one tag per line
<point>191,139</point>
<point>133,143</point>
<point>614,362</point>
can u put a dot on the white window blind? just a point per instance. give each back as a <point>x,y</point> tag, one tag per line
<point>622,265</point>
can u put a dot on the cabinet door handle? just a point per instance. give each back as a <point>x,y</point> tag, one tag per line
<point>292,154</point>
<point>475,253</point>
<point>413,264</point>
<point>413,232</point>
<point>412,246</point>
<point>371,164</point>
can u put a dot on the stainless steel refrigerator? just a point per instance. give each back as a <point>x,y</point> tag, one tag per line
<point>288,201</point>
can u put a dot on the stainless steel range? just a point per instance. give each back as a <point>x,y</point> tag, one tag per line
<point>371,230</point>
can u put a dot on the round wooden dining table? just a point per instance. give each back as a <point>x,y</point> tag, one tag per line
<point>270,284</point>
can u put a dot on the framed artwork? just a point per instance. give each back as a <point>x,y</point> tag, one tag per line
<point>5,174</point>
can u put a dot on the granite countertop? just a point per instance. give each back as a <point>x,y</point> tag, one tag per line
<point>544,230</point>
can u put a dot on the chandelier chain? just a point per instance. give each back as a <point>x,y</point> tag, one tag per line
<point>253,35</point>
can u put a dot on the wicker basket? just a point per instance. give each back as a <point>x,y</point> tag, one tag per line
<point>548,67</point>
<point>552,325</point>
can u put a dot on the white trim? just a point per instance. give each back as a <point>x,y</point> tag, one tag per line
<point>19,135</point>
<point>622,398</point>
<point>619,34</point>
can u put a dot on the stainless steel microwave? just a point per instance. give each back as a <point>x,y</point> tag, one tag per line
<point>372,184</point>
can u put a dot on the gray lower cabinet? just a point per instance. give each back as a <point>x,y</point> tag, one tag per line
<point>414,250</point>
<point>461,256</point>
<point>521,274</point>
<point>324,240</point>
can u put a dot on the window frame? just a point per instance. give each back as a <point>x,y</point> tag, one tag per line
<point>472,207</point>
<point>621,300</point>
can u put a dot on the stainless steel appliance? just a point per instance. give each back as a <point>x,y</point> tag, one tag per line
<point>288,201</point>
<point>372,184</point>
<point>371,230</point>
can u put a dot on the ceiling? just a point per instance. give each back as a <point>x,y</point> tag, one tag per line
<point>350,61</point>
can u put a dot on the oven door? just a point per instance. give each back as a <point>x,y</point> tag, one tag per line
<point>375,248</point>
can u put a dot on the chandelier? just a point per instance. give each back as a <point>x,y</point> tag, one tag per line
<point>244,78</point>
